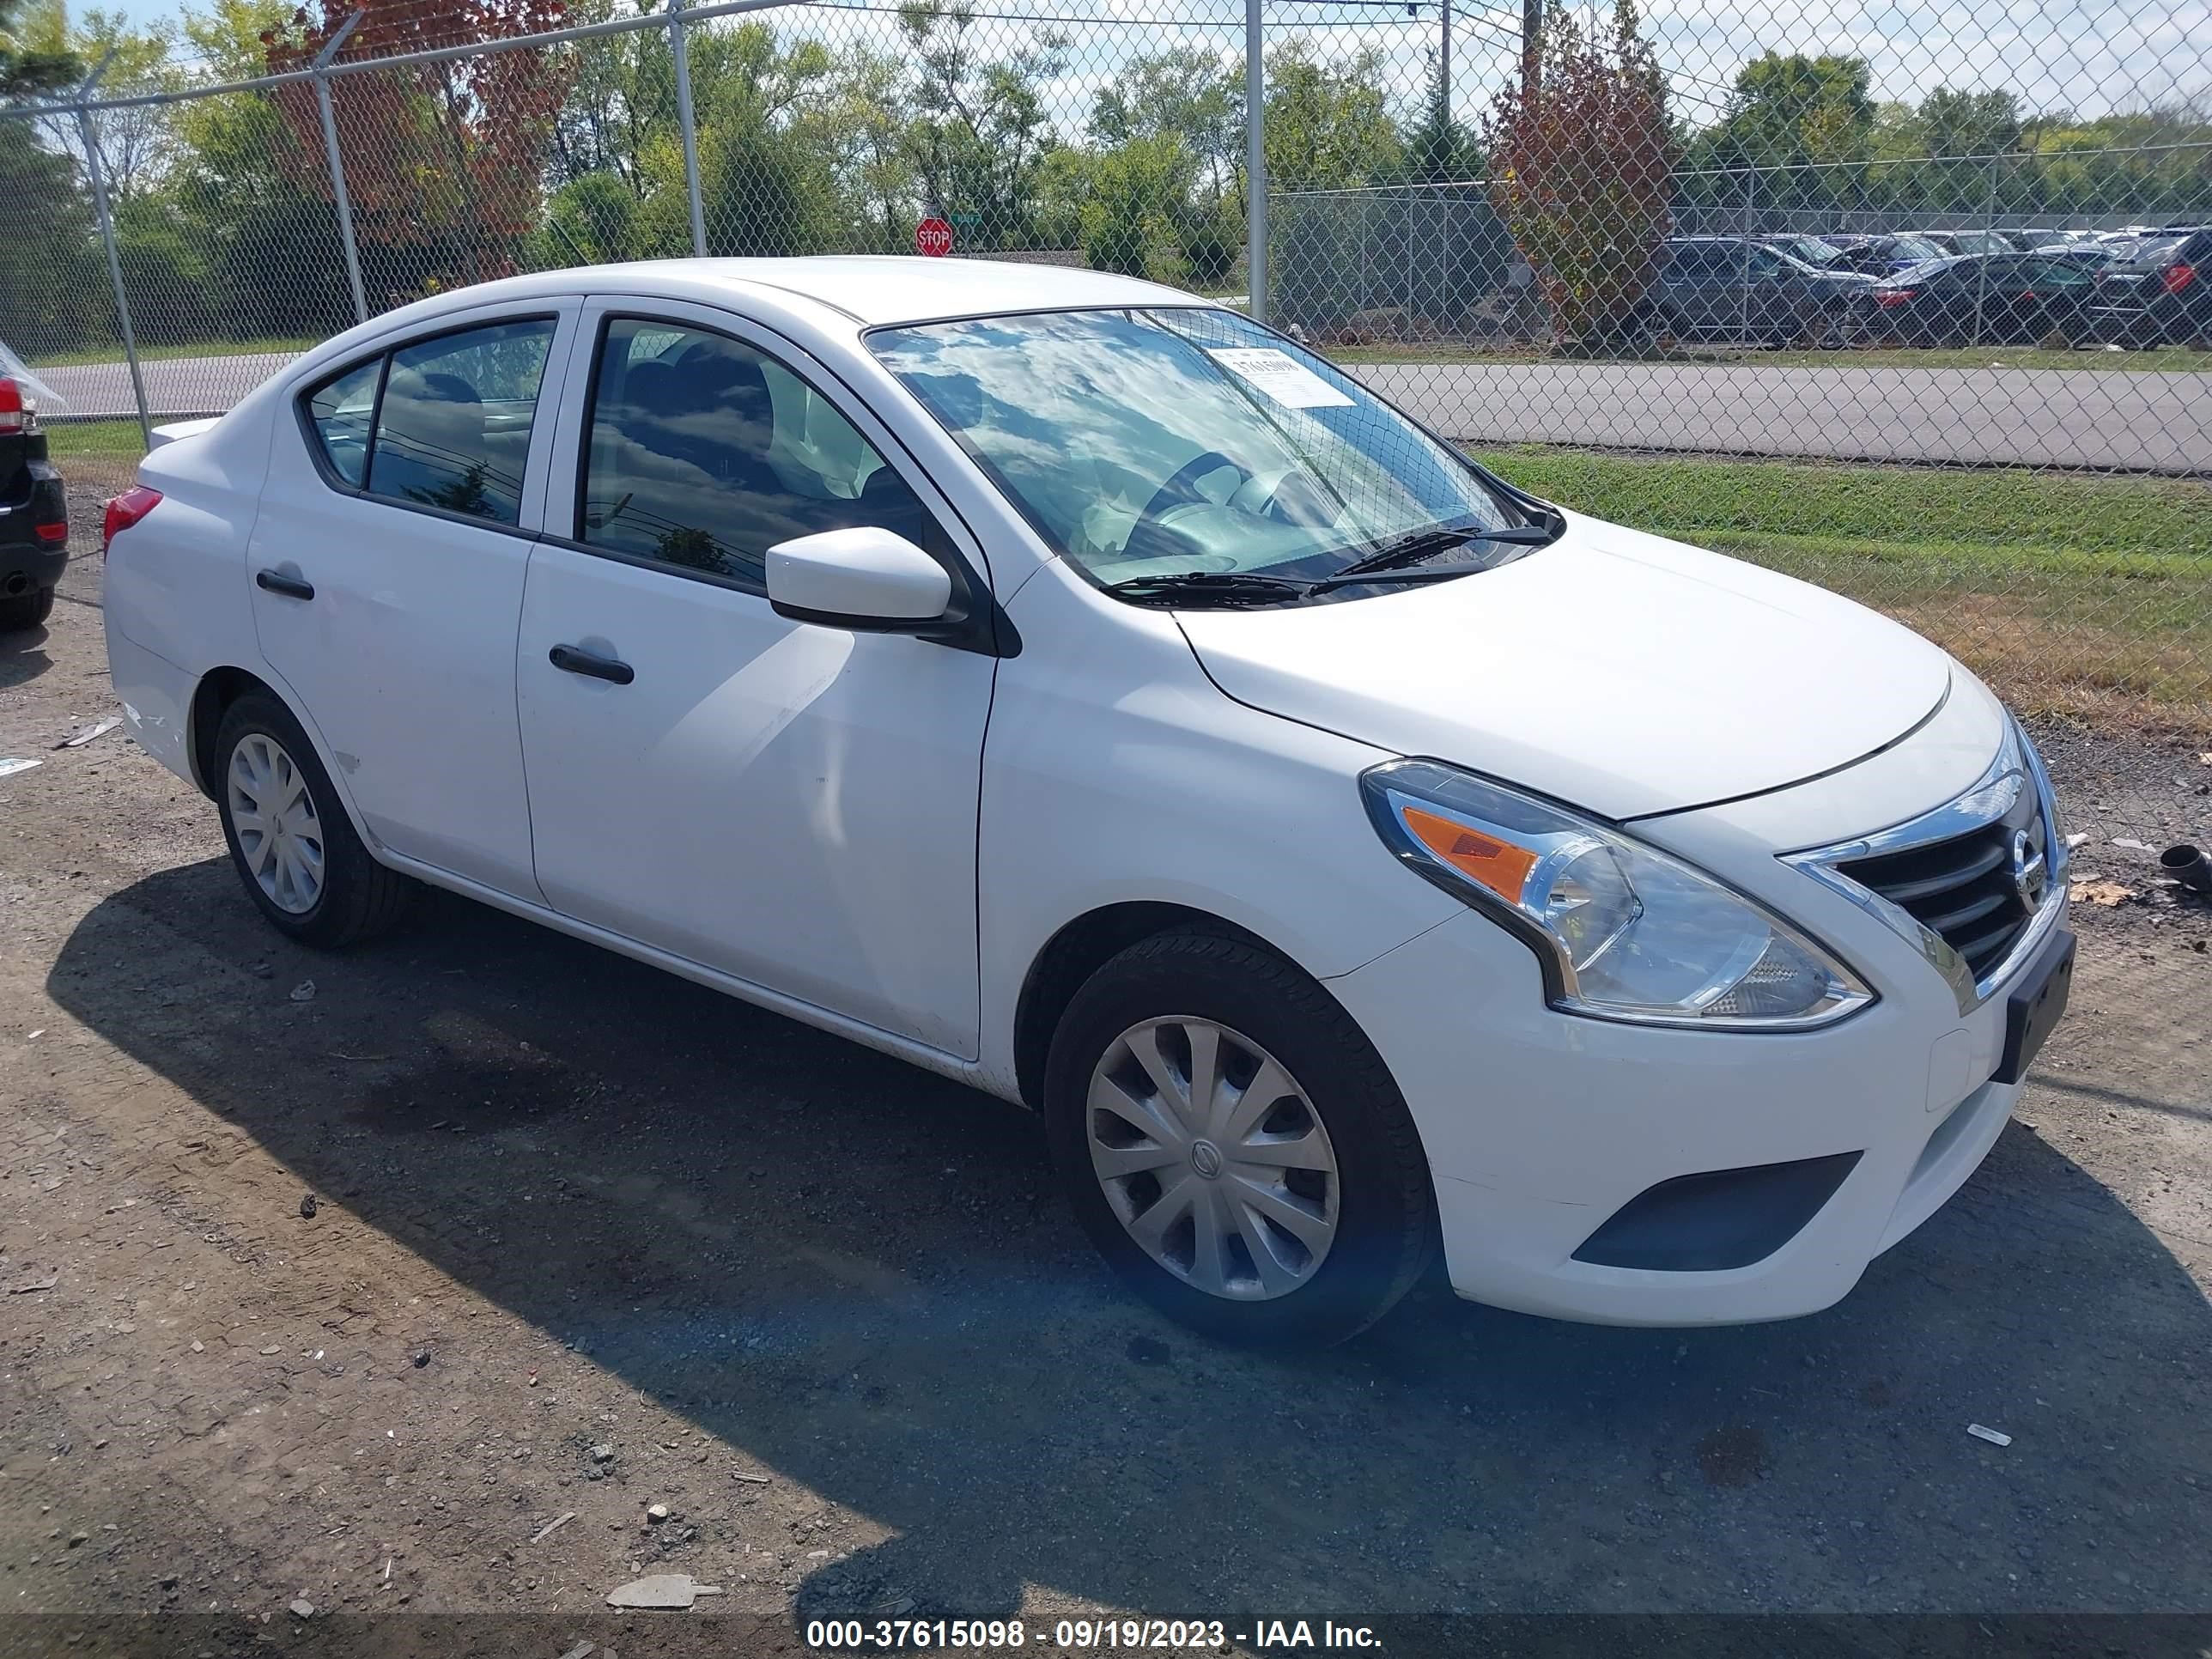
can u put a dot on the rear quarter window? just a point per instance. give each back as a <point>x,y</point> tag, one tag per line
<point>340,410</point>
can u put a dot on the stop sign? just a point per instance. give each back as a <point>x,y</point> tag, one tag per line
<point>933,237</point>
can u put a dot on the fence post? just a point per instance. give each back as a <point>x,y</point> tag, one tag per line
<point>107,235</point>
<point>680,51</point>
<point>338,197</point>
<point>1255,163</point>
<point>1982,270</point>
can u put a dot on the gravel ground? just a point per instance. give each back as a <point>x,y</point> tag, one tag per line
<point>588,1239</point>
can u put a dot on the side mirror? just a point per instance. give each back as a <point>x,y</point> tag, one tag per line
<point>861,578</point>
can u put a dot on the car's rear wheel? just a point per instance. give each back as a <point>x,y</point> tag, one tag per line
<point>1234,1146</point>
<point>289,837</point>
<point>20,611</point>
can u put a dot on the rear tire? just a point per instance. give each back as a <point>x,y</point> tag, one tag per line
<point>290,840</point>
<point>25,610</point>
<point>1319,1194</point>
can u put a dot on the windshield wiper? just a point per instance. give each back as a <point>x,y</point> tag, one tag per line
<point>1211,586</point>
<point>1411,549</point>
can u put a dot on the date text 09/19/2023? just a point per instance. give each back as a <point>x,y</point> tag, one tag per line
<point>1084,1634</point>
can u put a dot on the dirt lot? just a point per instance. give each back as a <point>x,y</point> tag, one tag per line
<point>588,1239</point>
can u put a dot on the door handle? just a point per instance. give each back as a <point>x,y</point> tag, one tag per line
<point>276,581</point>
<point>574,659</point>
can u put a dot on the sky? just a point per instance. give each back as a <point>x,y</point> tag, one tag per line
<point>2090,56</point>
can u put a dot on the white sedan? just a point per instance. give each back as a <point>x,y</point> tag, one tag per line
<point>1078,690</point>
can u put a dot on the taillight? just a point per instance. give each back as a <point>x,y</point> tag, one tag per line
<point>53,534</point>
<point>19,410</point>
<point>1894,296</point>
<point>125,510</point>
<point>2176,278</point>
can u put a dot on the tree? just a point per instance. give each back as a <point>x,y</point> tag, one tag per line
<point>1955,122</point>
<point>1438,150</point>
<point>443,160</point>
<point>1327,127</point>
<point>1581,165</point>
<point>1186,92</point>
<point>1795,110</point>
<point>33,59</point>
<point>979,132</point>
<point>1137,204</point>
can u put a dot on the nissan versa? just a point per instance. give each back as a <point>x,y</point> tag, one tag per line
<point>1079,690</point>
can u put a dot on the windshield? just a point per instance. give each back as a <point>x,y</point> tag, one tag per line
<point>1812,251</point>
<point>1141,443</point>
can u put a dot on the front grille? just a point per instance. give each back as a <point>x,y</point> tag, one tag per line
<point>1966,888</point>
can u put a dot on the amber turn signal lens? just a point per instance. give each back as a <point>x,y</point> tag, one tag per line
<point>1497,865</point>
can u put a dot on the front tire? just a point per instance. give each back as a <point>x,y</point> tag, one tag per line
<point>1234,1146</point>
<point>290,838</point>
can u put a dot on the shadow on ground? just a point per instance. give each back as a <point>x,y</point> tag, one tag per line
<point>860,1277</point>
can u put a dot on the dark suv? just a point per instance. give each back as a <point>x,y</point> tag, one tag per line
<point>33,513</point>
<point>1732,288</point>
<point>2160,292</point>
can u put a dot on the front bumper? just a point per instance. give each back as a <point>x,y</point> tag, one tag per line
<point>1540,1127</point>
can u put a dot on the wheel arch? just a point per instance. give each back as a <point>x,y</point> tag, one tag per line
<point>1077,950</point>
<point>221,687</point>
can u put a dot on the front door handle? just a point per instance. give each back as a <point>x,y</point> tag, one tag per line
<point>276,581</point>
<point>574,659</point>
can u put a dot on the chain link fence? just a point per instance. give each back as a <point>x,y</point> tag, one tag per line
<point>1921,315</point>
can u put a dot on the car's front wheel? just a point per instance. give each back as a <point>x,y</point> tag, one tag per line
<point>288,836</point>
<point>1234,1146</point>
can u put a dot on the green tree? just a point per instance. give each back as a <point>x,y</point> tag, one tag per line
<point>1325,123</point>
<point>1794,111</point>
<point>1137,205</point>
<point>1438,149</point>
<point>1955,122</point>
<point>979,134</point>
<point>1186,92</point>
<point>35,57</point>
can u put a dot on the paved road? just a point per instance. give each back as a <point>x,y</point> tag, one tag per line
<point>2033,417</point>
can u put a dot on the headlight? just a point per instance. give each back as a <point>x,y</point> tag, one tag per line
<point>1624,931</point>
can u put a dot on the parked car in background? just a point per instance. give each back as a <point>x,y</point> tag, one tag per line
<point>33,508</point>
<point>1742,288</point>
<point>1975,299</point>
<point>1806,250</point>
<point>1968,242</point>
<point>2157,293</point>
<point>1880,256</point>
<point>1079,690</point>
<point>2090,256</point>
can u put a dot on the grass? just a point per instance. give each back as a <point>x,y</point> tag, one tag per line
<point>164,353</point>
<point>2071,594</point>
<point>2170,360</point>
<point>68,440</point>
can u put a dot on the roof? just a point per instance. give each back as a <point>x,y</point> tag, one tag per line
<point>873,288</point>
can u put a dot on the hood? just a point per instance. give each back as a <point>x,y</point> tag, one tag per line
<point>1618,671</point>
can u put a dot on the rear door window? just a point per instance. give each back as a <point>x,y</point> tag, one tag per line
<point>452,427</point>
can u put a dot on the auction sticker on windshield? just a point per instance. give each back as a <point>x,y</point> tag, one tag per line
<point>1281,376</point>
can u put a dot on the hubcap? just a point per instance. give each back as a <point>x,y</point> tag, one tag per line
<point>1214,1158</point>
<point>279,833</point>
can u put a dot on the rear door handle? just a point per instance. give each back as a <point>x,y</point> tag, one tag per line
<point>574,659</point>
<point>276,581</point>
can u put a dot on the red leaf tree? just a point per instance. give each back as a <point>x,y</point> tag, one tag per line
<point>1581,163</point>
<point>443,160</point>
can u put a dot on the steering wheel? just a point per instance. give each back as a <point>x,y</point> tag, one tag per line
<point>1182,489</point>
